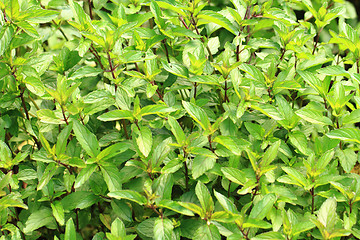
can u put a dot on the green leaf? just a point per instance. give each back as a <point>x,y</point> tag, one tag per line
<point>112,177</point>
<point>204,197</point>
<point>345,134</point>
<point>70,232</point>
<point>347,158</point>
<point>207,232</point>
<point>118,228</point>
<point>353,117</point>
<point>28,28</point>
<point>334,70</point>
<point>312,80</point>
<point>155,109</point>
<point>174,206</point>
<point>269,111</point>
<point>79,13</point>
<point>155,9</point>
<point>47,175</point>
<point>58,212</point>
<point>255,73</point>
<point>324,160</point>
<point>5,38</point>
<point>84,175</point>
<point>39,15</point>
<point>224,216</point>
<point>95,38</point>
<point>327,213</point>
<point>183,32</point>
<point>302,227</point>
<point>85,71</point>
<point>116,115</point>
<point>201,164</point>
<point>176,69</point>
<point>269,235</point>
<point>11,200</point>
<point>299,140</point>
<point>174,6</point>
<point>261,208</point>
<point>193,207</point>
<point>256,223</point>
<point>296,175</point>
<point>163,186</point>
<point>163,229</point>
<point>129,195</point>
<point>226,203</point>
<point>5,155</point>
<point>38,219</point>
<point>62,138</point>
<point>313,116</point>
<point>86,139</point>
<point>198,114</point>
<point>177,130</point>
<point>5,180</point>
<point>234,175</point>
<point>48,116</point>
<point>255,130</point>
<point>111,152</point>
<point>12,8</point>
<point>35,85</point>
<point>207,16</point>
<point>144,139</point>
<point>234,144</point>
<point>205,79</point>
<point>270,154</point>
<point>79,199</point>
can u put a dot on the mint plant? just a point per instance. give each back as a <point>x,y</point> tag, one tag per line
<point>172,119</point>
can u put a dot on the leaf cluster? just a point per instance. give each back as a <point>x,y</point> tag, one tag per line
<point>174,119</point>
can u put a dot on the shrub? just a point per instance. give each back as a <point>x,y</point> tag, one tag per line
<point>175,119</point>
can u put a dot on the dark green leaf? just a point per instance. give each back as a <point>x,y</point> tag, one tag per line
<point>129,195</point>
<point>70,232</point>
<point>163,229</point>
<point>86,139</point>
<point>38,219</point>
<point>204,197</point>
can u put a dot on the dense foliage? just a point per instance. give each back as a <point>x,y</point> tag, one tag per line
<point>177,119</point>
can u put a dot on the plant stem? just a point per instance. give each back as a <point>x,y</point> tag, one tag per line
<point>96,55</point>
<point>245,234</point>
<point>183,22</point>
<point>195,89</point>
<point>90,10</point>
<point>228,191</point>
<point>24,104</point>
<point>350,206</point>
<point>282,53</point>
<point>210,144</point>
<point>63,113</point>
<point>111,66</point>
<point>77,219</point>
<point>166,50</point>
<point>157,91</point>
<point>137,67</point>
<point>153,207</point>
<point>32,100</point>
<point>225,89</point>
<point>125,130</point>
<point>312,200</point>
<point>316,40</point>
<point>193,22</point>
<point>57,25</point>
<point>186,176</point>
